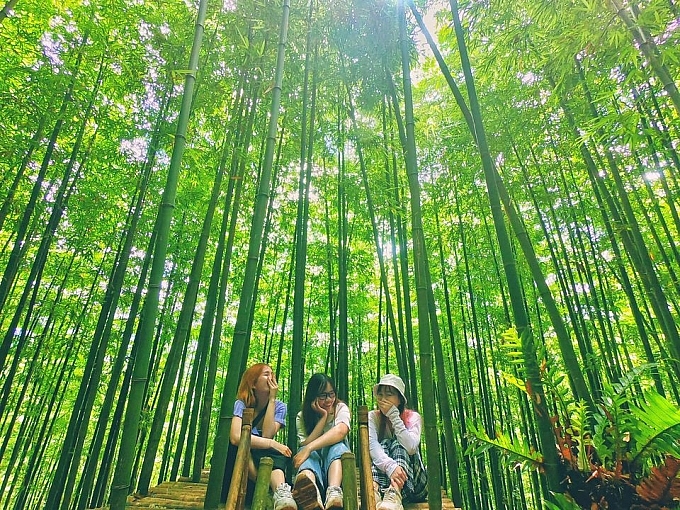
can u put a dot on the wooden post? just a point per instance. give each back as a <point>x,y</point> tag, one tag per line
<point>367,493</point>
<point>239,478</point>
<point>349,481</point>
<point>264,474</point>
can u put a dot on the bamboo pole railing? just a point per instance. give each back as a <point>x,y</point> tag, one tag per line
<point>239,478</point>
<point>366,481</point>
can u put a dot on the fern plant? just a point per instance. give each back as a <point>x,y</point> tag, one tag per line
<point>627,437</point>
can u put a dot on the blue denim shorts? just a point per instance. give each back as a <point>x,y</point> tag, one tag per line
<point>319,461</point>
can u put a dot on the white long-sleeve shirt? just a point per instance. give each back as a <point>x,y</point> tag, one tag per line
<point>408,435</point>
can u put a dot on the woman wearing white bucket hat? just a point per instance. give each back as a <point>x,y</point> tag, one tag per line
<point>394,440</point>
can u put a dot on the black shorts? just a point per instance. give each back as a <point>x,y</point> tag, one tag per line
<point>280,460</point>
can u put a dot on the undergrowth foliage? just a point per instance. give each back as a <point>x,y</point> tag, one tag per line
<point>623,454</point>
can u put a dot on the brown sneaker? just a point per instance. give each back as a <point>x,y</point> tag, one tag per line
<point>306,494</point>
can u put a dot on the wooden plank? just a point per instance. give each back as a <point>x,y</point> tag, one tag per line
<point>184,494</point>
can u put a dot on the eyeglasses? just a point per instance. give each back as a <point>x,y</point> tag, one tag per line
<point>326,396</point>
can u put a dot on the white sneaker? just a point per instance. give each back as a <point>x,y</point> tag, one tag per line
<point>391,500</point>
<point>333,497</point>
<point>283,498</point>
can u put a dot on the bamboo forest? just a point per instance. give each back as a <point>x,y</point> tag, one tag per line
<point>482,196</point>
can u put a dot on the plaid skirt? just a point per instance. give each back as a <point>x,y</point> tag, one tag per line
<point>415,488</point>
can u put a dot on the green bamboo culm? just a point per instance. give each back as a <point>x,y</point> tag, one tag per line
<point>521,319</point>
<point>261,493</point>
<point>6,9</point>
<point>178,345</point>
<point>566,349</point>
<point>120,487</point>
<point>301,221</point>
<point>649,49</point>
<point>411,390</point>
<point>219,457</point>
<point>421,270</point>
<point>349,480</point>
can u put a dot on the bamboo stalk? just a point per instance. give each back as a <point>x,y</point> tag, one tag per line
<point>264,473</point>
<point>239,477</point>
<point>349,481</point>
<point>367,493</point>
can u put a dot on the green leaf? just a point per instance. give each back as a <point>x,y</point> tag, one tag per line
<point>564,502</point>
<point>658,424</point>
<point>517,452</point>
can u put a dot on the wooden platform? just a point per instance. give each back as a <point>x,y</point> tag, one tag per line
<point>185,495</point>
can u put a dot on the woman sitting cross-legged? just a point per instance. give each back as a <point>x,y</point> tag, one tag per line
<point>322,427</point>
<point>258,389</point>
<point>394,440</point>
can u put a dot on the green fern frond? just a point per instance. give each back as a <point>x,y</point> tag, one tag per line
<point>514,381</point>
<point>630,378</point>
<point>511,345</point>
<point>658,427</point>
<point>564,502</point>
<point>616,430</point>
<point>517,453</point>
<point>581,434</point>
<point>553,379</point>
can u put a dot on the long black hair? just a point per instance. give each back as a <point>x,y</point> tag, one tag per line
<point>316,384</point>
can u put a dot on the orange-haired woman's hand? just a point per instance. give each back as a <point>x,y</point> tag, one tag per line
<point>281,448</point>
<point>273,388</point>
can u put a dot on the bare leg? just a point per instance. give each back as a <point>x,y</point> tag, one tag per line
<point>335,473</point>
<point>252,472</point>
<point>277,479</point>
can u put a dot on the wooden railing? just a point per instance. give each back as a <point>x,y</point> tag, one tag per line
<point>367,493</point>
<point>239,478</point>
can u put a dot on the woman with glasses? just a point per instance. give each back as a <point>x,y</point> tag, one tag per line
<point>322,426</point>
<point>394,441</point>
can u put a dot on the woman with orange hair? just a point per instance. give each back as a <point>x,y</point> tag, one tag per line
<point>257,390</point>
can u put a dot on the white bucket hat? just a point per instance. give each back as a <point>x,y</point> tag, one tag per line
<point>394,381</point>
